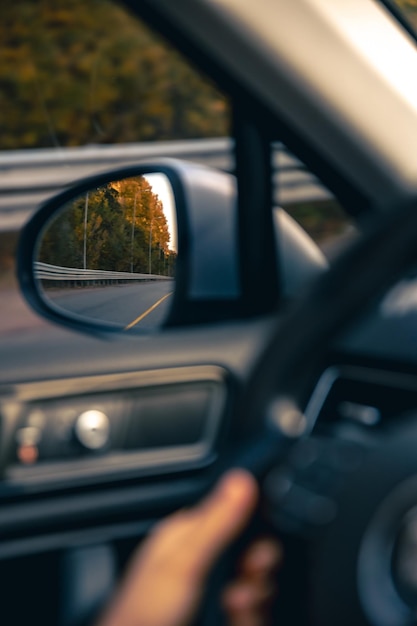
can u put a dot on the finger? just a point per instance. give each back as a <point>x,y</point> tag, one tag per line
<point>222,515</point>
<point>247,597</point>
<point>249,619</point>
<point>248,604</point>
<point>262,559</point>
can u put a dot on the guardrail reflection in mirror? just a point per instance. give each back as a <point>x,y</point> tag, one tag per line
<point>55,276</point>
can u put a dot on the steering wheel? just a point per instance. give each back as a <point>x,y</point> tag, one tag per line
<point>363,526</point>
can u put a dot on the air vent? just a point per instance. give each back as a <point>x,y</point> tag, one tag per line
<point>362,395</point>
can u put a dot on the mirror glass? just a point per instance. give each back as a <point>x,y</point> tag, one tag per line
<point>109,255</point>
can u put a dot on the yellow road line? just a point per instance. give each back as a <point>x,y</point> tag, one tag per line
<point>152,308</point>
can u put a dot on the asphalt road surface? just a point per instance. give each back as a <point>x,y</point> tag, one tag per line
<point>138,306</point>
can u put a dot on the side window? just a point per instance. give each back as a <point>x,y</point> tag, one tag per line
<point>84,86</point>
<point>311,204</point>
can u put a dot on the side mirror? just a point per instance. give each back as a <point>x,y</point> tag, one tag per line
<point>106,251</point>
<point>133,249</point>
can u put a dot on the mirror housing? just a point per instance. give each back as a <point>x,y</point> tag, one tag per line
<point>206,265</point>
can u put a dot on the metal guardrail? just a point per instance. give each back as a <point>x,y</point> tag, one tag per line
<point>27,177</point>
<point>54,275</point>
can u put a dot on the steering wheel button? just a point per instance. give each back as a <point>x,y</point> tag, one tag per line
<point>278,484</point>
<point>305,454</point>
<point>309,507</point>
<point>343,456</point>
<point>320,510</point>
<point>319,479</point>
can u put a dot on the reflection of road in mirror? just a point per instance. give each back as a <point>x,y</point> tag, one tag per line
<point>141,306</point>
<point>151,309</point>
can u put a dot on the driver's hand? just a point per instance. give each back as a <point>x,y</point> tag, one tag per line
<point>165,580</point>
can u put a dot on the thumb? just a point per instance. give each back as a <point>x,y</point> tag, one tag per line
<point>222,515</point>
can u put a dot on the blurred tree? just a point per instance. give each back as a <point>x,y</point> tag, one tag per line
<point>75,72</point>
<point>409,8</point>
<point>407,4</point>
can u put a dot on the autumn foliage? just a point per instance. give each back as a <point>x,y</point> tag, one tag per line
<point>117,227</point>
<point>75,73</point>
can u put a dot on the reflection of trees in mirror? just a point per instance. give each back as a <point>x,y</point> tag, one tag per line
<point>120,227</point>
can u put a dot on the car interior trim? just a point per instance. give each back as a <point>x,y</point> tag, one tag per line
<point>162,388</point>
<point>66,540</point>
